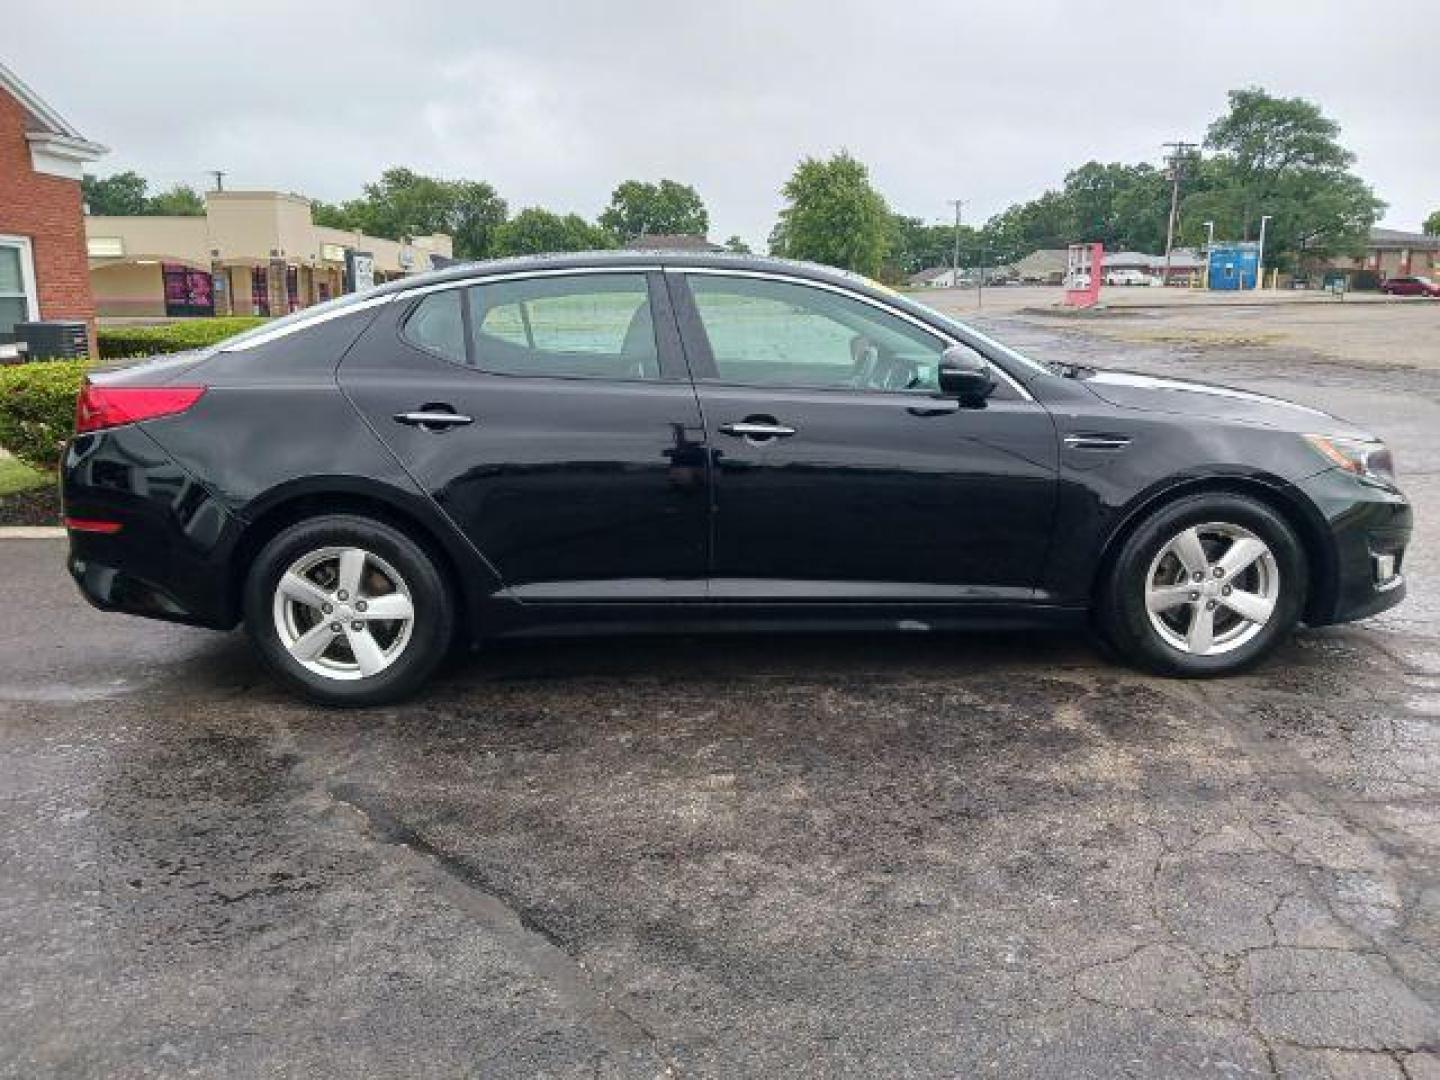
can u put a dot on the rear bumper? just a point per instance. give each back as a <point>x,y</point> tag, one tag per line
<point>1370,527</point>
<point>166,561</point>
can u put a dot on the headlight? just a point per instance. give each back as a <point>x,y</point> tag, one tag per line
<point>1359,456</point>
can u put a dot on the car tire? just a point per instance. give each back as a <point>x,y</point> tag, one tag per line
<point>376,641</point>
<point>1157,614</point>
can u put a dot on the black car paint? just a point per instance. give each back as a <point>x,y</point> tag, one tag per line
<point>576,503</point>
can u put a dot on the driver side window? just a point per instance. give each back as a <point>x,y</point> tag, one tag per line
<point>775,333</point>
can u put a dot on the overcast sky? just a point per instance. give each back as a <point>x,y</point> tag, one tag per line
<point>554,103</point>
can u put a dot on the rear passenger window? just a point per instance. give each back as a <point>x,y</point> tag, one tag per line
<point>595,326</point>
<point>436,324</point>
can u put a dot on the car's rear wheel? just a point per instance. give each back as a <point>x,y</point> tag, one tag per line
<point>348,610</point>
<point>1206,585</point>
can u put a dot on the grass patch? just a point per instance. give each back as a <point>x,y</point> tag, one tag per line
<point>1221,338</point>
<point>16,476</point>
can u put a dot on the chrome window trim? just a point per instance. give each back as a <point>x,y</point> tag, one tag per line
<point>827,286</point>
<point>644,268</point>
<point>265,337</point>
<point>485,279</point>
<point>400,295</point>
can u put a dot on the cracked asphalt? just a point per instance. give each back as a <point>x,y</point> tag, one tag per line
<point>984,855</point>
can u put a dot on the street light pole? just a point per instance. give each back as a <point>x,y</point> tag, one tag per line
<point>955,265</point>
<point>1260,258</point>
<point>1209,243</point>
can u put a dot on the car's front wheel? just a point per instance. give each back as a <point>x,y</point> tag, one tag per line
<point>1206,585</point>
<point>348,611</point>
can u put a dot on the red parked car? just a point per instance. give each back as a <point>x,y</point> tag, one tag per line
<point>1410,286</point>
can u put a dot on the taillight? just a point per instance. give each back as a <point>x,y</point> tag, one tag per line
<point>109,406</point>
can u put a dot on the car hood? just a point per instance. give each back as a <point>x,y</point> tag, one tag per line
<point>1129,390</point>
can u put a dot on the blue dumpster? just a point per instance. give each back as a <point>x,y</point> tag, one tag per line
<point>1233,266</point>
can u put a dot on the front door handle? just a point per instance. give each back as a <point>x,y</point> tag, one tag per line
<point>750,429</point>
<point>433,419</point>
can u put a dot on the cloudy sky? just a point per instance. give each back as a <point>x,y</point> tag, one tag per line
<point>555,102</point>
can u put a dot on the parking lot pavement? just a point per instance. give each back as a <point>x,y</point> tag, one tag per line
<point>928,856</point>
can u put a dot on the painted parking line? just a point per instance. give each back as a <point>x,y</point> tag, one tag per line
<point>31,532</point>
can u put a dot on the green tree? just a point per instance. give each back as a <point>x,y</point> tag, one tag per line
<point>1432,224</point>
<point>1282,157</point>
<point>331,215</point>
<point>638,208</point>
<point>477,214</point>
<point>121,195</point>
<point>737,246</point>
<point>1125,207</point>
<point>534,231</point>
<point>405,203</point>
<point>835,216</point>
<point>1046,222</point>
<point>775,242</point>
<point>915,246</point>
<point>180,201</point>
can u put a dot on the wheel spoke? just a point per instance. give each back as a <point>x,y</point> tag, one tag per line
<point>309,645</point>
<point>366,649</point>
<point>1165,597</point>
<point>1244,551</point>
<point>302,590</point>
<point>1248,605</point>
<point>390,606</point>
<point>352,569</point>
<point>1202,630</point>
<point>1190,552</point>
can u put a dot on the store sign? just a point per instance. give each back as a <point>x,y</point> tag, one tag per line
<point>332,252</point>
<point>105,247</point>
<point>359,270</point>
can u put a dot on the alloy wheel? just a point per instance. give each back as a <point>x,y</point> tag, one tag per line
<point>1212,588</point>
<point>343,612</point>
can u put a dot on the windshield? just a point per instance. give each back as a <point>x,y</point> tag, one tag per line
<point>965,330</point>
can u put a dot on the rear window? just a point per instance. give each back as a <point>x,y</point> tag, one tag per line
<point>437,325</point>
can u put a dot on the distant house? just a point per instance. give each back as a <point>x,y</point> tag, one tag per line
<point>1390,253</point>
<point>672,242</point>
<point>43,272</point>
<point>1185,263</point>
<point>937,277</point>
<point>1044,267</point>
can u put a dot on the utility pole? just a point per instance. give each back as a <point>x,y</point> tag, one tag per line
<point>1178,152</point>
<point>1260,255</point>
<point>955,265</point>
<point>219,175</point>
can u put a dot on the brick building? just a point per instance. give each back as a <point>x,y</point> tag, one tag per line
<point>43,269</point>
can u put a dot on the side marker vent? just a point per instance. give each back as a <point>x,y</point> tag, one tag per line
<point>1095,440</point>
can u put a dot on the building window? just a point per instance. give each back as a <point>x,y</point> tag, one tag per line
<point>259,291</point>
<point>187,291</point>
<point>18,301</point>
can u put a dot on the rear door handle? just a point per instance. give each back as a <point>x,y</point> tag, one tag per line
<point>433,419</point>
<point>749,429</point>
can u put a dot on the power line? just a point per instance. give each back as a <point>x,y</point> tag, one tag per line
<point>1179,154</point>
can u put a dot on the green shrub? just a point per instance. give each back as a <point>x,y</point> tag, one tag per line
<point>37,408</point>
<point>119,341</point>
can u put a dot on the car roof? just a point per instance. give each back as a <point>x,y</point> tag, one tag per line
<point>620,260</point>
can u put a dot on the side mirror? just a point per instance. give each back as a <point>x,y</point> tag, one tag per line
<point>966,375</point>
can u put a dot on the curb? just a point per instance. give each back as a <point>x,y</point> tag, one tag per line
<point>31,532</point>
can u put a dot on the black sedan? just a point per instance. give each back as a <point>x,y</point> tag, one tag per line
<point>662,441</point>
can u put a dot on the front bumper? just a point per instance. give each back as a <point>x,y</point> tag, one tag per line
<point>1369,525</point>
<point>167,559</point>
